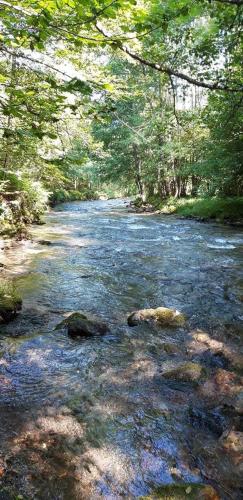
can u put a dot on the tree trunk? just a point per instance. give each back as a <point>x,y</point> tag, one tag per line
<point>138,172</point>
<point>9,120</point>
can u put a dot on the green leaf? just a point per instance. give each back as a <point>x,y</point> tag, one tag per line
<point>76,85</point>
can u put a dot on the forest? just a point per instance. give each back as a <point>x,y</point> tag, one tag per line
<point>120,98</point>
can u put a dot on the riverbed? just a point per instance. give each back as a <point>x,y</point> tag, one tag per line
<point>96,418</point>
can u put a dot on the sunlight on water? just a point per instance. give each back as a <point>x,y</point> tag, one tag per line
<point>123,427</point>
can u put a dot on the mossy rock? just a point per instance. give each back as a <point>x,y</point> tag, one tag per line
<point>79,325</point>
<point>185,372</point>
<point>163,316</point>
<point>10,301</point>
<point>184,492</point>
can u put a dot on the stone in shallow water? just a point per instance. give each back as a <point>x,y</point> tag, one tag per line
<point>185,372</point>
<point>10,302</point>
<point>79,325</point>
<point>171,348</point>
<point>222,384</point>
<point>238,403</point>
<point>161,315</point>
<point>184,491</point>
<point>236,360</point>
<point>213,419</point>
<point>44,242</point>
<point>232,441</point>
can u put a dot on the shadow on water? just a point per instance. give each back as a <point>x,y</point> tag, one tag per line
<point>97,418</point>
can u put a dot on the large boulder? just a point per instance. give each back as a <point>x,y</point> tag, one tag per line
<point>161,315</point>
<point>10,302</point>
<point>79,325</point>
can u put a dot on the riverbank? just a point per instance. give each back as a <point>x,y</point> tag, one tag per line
<point>20,209</point>
<point>204,209</point>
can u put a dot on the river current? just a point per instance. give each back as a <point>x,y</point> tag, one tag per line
<point>95,418</point>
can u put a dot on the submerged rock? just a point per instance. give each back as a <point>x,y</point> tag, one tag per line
<point>10,302</point>
<point>161,315</point>
<point>232,441</point>
<point>236,361</point>
<point>170,348</point>
<point>185,372</point>
<point>44,242</point>
<point>222,384</point>
<point>213,419</point>
<point>238,403</point>
<point>184,491</point>
<point>79,325</point>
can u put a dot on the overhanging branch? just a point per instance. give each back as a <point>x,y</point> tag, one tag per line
<point>21,55</point>
<point>16,8</point>
<point>232,2</point>
<point>170,71</point>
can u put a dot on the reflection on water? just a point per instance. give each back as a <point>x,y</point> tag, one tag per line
<point>96,417</point>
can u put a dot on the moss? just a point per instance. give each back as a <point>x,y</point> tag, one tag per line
<point>10,301</point>
<point>70,320</point>
<point>184,492</point>
<point>162,315</point>
<point>78,325</point>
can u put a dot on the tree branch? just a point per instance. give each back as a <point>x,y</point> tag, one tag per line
<point>170,71</point>
<point>21,55</point>
<point>238,3</point>
<point>15,7</point>
<point>94,17</point>
<point>63,29</point>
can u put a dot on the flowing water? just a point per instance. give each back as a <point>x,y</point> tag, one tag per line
<point>95,418</point>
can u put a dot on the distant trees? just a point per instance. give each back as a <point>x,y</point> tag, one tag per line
<point>101,92</point>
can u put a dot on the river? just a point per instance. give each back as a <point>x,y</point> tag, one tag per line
<point>95,418</point>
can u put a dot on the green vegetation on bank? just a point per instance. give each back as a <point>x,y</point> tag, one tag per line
<point>62,195</point>
<point>10,301</point>
<point>228,209</point>
<point>134,98</point>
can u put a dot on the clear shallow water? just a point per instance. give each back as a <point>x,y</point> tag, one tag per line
<point>95,418</point>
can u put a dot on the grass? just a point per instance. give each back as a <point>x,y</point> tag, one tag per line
<point>206,208</point>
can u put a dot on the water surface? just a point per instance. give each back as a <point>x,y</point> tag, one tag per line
<point>95,418</point>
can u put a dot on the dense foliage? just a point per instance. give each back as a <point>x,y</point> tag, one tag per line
<point>118,97</point>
